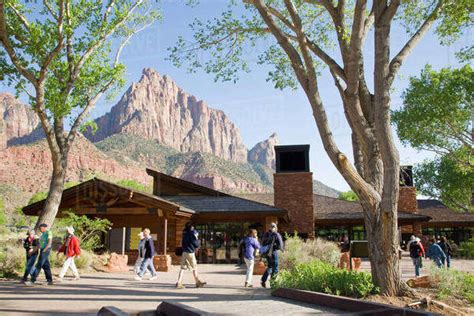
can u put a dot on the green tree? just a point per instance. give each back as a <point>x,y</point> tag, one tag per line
<point>3,215</point>
<point>437,116</point>
<point>299,36</point>
<point>64,55</point>
<point>348,196</point>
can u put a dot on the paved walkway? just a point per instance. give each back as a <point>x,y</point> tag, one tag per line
<point>223,295</point>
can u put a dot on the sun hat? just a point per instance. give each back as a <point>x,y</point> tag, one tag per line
<point>70,230</point>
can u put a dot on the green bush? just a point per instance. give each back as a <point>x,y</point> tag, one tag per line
<point>466,249</point>
<point>12,259</point>
<point>453,283</point>
<point>322,277</point>
<point>88,230</point>
<point>298,251</point>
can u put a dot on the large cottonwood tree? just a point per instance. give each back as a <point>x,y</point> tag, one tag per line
<point>301,35</point>
<point>64,55</point>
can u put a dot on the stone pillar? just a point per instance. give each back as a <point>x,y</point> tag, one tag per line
<point>294,193</point>
<point>162,263</point>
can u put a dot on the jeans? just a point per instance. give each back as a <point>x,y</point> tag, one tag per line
<point>249,263</point>
<point>272,267</point>
<point>438,261</point>
<point>448,261</point>
<point>69,263</point>
<point>147,263</point>
<point>43,263</point>
<point>30,266</point>
<point>417,264</point>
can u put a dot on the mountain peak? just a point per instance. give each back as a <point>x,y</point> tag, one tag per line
<point>263,152</point>
<point>156,108</point>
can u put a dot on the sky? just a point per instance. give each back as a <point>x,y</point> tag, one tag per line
<point>259,110</point>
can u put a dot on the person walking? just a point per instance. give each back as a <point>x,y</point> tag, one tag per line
<point>148,254</point>
<point>45,243</point>
<point>250,245</point>
<point>141,252</point>
<point>189,244</point>
<point>31,245</point>
<point>71,250</point>
<point>446,247</point>
<point>435,253</point>
<point>416,255</point>
<point>272,242</point>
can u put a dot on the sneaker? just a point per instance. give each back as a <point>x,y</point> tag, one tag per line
<point>200,283</point>
<point>263,284</point>
<point>180,286</point>
<point>76,278</point>
<point>138,278</point>
<point>59,279</point>
<point>249,285</point>
<point>29,283</point>
<point>153,278</point>
<point>50,283</point>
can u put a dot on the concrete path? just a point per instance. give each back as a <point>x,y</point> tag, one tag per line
<point>224,294</point>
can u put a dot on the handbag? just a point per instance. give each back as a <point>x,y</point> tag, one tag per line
<point>178,251</point>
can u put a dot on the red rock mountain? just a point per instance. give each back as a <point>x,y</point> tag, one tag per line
<point>263,152</point>
<point>156,108</point>
<point>17,121</point>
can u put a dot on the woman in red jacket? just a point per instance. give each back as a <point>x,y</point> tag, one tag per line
<point>71,249</point>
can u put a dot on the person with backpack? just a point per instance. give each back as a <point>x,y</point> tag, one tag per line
<point>141,253</point>
<point>272,243</point>
<point>31,245</point>
<point>71,250</point>
<point>189,245</point>
<point>45,243</point>
<point>248,246</point>
<point>435,253</point>
<point>446,247</point>
<point>148,254</point>
<point>416,254</point>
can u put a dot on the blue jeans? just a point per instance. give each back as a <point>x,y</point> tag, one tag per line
<point>43,263</point>
<point>29,268</point>
<point>272,267</point>
<point>448,261</point>
<point>417,264</point>
<point>147,263</point>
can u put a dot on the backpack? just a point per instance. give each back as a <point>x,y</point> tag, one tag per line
<point>267,249</point>
<point>241,249</point>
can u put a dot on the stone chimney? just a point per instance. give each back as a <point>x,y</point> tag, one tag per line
<point>407,196</point>
<point>293,188</point>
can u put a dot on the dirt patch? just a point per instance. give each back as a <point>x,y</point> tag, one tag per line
<point>421,294</point>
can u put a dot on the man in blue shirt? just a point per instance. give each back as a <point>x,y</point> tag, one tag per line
<point>46,241</point>
<point>435,253</point>
<point>273,239</point>
<point>189,243</point>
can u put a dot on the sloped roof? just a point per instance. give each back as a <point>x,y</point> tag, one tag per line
<point>441,214</point>
<point>222,204</point>
<point>84,192</point>
<point>329,210</point>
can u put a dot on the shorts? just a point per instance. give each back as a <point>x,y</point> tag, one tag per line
<point>188,261</point>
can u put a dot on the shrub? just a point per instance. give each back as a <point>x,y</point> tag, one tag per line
<point>319,276</point>
<point>453,283</point>
<point>88,230</point>
<point>466,249</point>
<point>12,259</point>
<point>298,251</point>
<point>83,262</point>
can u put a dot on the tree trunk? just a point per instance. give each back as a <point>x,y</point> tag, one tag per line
<point>55,193</point>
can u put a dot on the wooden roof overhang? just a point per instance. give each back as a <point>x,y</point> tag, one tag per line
<point>238,216</point>
<point>351,220</point>
<point>98,196</point>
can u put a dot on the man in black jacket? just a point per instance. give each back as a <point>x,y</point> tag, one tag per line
<point>148,255</point>
<point>273,239</point>
<point>31,245</point>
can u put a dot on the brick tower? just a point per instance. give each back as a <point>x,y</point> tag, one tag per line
<point>293,188</point>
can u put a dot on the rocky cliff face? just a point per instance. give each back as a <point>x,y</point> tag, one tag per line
<point>156,108</point>
<point>29,167</point>
<point>264,152</point>
<point>19,120</point>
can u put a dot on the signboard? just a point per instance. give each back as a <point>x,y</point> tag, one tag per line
<point>134,239</point>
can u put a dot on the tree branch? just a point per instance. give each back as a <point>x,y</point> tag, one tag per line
<point>412,42</point>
